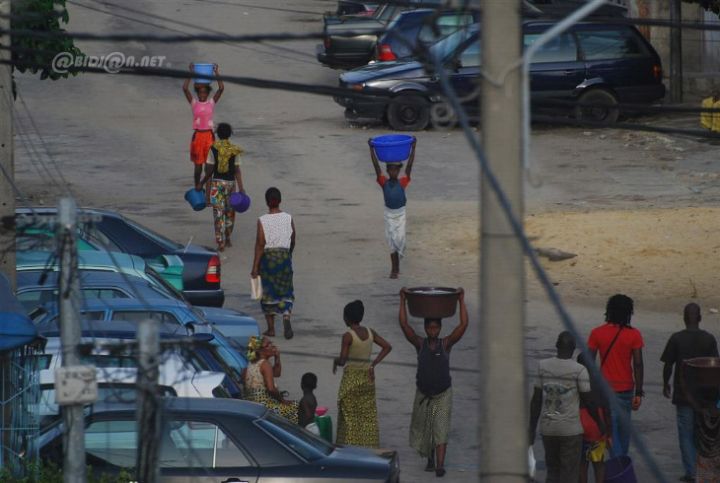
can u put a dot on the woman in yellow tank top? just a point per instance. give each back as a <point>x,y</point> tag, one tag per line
<point>357,411</point>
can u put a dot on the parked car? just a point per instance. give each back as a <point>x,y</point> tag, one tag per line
<point>355,7</point>
<point>114,232</point>
<point>169,267</point>
<point>417,29</point>
<point>109,276</point>
<point>165,311</point>
<point>204,353</point>
<point>350,41</point>
<point>593,63</point>
<point>210,440</point>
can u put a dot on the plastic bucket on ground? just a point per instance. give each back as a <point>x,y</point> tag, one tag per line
<point>392,148</point>
<point>203,69</point>
<point>324,423</point>
<point>196,199</point>
<point>619,470</point>
<point>240,202</point>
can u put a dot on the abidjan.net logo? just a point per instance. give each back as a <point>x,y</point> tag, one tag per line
<point>112,63</point>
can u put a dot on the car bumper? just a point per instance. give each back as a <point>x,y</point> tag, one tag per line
<point>356,108</point>
<point>341,59</point>
<point>208,298</point>
<point>641,94</point>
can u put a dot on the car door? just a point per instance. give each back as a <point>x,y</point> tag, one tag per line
<point>465,71</point>
<point>556,68</point>
<point>196,450</point>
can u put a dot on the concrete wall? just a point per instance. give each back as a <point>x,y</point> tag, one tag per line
<point>701,48</point>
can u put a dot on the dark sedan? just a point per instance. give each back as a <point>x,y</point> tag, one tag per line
<point>350,41</point>
<point>221,440</point>
<point>201,271</point>
<point>592,63</point>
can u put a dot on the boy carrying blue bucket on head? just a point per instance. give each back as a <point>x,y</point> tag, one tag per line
<point>394,194</point>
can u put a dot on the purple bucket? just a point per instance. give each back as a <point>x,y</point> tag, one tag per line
<point>240,202</point>
<point>620,470</point>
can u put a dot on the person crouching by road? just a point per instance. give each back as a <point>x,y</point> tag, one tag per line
<point>560,385</point>
<point>203,109</point>
<point>432,408</point>
<point>395,201</point>
<point>222,170</point>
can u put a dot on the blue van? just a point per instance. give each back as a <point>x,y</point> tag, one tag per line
<point>592,63</point>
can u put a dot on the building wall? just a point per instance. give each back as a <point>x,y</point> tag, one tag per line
<point>701,48</point>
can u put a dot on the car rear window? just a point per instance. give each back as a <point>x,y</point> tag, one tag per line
<point>559,49</point>
<point>444,26</point>
<point>611,44</point>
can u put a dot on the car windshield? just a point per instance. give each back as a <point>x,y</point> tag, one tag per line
<point>151,234</point>
<point>298,439</point>
<point>443,49</point>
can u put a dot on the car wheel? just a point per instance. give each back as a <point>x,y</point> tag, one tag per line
<point>606,111</point>
<point>443,116</point>
<point>408,112</point>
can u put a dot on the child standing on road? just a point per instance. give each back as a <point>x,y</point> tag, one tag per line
<point>308,403</point>
<point>203,110</point>
<point>395,201</point>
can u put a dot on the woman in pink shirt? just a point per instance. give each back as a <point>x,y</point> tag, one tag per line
<point>203,109</point>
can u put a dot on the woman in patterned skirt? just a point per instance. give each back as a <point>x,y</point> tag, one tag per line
<point>357,411</point>
<point>274,246</point>
<point>259,379</point>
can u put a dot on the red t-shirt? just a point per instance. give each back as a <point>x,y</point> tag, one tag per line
<point>591,428</point>
<point>404,180</point>
<point>617,369</point>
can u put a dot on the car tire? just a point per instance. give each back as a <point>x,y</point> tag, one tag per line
<point>601,97</point>
<point>443,116</point>
<point>409,112</point>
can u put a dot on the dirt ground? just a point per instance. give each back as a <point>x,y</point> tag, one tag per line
<point>638,209</point>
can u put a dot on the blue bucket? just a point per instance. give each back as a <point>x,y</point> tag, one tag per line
<point>392,148</point>
<point>620,470</point>
<point>203,69</point>
<point>196,199</point>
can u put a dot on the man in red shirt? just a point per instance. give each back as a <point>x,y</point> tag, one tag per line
<point>621,363</point>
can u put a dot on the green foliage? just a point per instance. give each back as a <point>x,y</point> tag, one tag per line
<point>713,5</point>
<point>36,54</point>
<point>50,473</point>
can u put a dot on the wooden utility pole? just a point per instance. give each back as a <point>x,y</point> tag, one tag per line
<point>504,402</point>
<point>148,405</point>
<point>70,336</point>
<point>7,165</point>
<point>676,63</point>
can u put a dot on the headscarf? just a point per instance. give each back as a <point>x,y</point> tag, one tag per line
<point>225,151</point>
<point>253,348</point>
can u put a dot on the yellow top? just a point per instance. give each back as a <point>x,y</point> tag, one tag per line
<point>716,118</point>
<point>706,118</point>
<point>360,350</point>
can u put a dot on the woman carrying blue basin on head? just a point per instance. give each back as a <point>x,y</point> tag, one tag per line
<point>393,188</point>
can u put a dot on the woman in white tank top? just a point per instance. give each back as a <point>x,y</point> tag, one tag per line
<point>274,245</point>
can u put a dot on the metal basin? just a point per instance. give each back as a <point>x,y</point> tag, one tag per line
<point>432,302</point>
<point>702,371</point>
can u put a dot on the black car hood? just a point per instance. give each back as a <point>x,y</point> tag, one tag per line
<point>381,70</point>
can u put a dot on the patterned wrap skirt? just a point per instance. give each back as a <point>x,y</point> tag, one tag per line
<point>288,410</point>
<point>357,411</point>
<point>276,273</point>
<point>430,423</point>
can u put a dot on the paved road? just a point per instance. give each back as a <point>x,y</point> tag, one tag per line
<point>122,142</point>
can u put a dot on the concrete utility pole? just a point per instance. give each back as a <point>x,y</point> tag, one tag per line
<point>676,63</point>
<point>148,412</point>
<point>7,165</point>
<point>70,334</point>
<point>504,402</point>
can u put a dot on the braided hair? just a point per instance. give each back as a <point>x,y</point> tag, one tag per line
<point>619,309</point>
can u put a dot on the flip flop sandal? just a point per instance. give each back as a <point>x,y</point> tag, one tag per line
<point>287,329</point>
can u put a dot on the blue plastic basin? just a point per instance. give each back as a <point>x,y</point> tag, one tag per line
<point>203,69</point>
<point>392,148</point>
<point>620,470</point>
<point>196,199</point>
